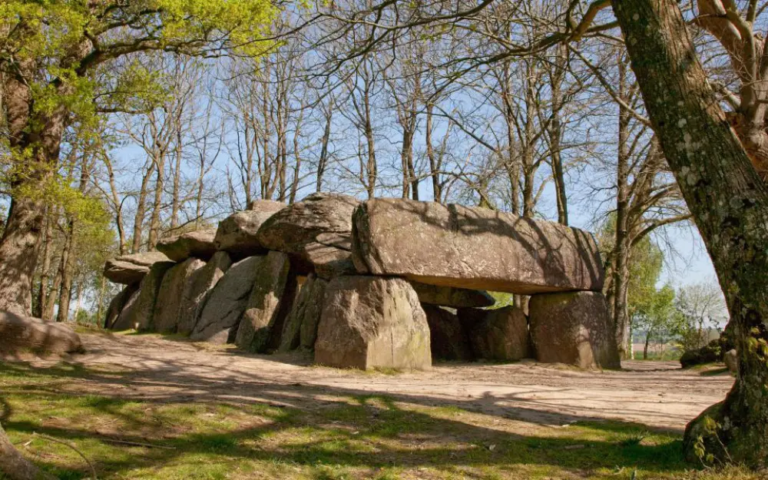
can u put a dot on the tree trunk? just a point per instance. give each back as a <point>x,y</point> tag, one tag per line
<point>157,205</point>
<point>729,203</point>
<point>67,270</point>
<point>14,466</point>
<point>45,273</point>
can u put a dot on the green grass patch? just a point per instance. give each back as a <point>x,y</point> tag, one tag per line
<point>346,437</point>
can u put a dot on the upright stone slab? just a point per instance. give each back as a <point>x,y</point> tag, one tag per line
<point>473,248</point>
<point>372,322</point>
<point>305,313</point>
<point>452,297</point>
<point>221,315</point>
<point>501,335</point>
<point>198,244</point>
<point>237,233</point>
<point>314,232</point>
<point>199,288</point>
<point>268,305</point>
<point>171,295</point>
<point>313,309</point>
<point>573,328</point>
<point>117,304</point>
<point>131,269</point>
<point>448,339</point>
<point>139,313</point>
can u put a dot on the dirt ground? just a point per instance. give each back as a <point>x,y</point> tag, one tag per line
<point>657,394</point>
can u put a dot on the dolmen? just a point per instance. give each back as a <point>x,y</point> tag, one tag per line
<point>382,284</point>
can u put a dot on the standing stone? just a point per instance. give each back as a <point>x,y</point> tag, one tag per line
<point>138,314</point>
<point>199,288</point>
<point>452,297</point>
<point>237,233</point>
<point>170,296</point>
<point>573,328</point>
<point>220,317</point>
<point>19,334</point>
<point>448,339</point>
<point>197,244</point>
<point>474,248</point>
<point>305,314</point>
<point>372,322</point>
<point>501,335</point>
<point>315,298</point>
<point>315,232</point>
<point>117,304</point>
<point>131,269</point>
<point>268,305</point>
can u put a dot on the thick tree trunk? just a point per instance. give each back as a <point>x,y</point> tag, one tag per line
<point>622,240</point>
<point>729,203</point>
<point>15,467</point>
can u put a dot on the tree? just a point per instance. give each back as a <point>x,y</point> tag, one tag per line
<point>50,55</point>
<point>729,203</point>
<point>701,307</point>
<point>656,316</point>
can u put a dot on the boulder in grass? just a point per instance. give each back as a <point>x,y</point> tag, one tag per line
<point>131,269</point>
<point>372,322</point>
<point>118,303</point>
<point>138,312</point>
<point>225,306</point>
<point>268,305</point>
<point>315,232</point>
<point>198,244</point>
<point>501,335</point>
<point>475,248</point>
<point>168,307</point>
<point>448,338</point>
<point>197,290</point>
<point>573,328</point>
<point>20,334</point>
<point>237,233</point>
<point>452,297</point>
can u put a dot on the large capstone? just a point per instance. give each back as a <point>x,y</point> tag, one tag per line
<point>138,313</point>
<point>500,334</point>
<point>268,305</point>
<point>198,244</point>
<point>131,269</point>
<point>171,295</point>
<point>473,248</point>
<point>221,315</point>
<point>315,232</point>
<point>198,288</point>
<point>452,297</point>
<point>448,338</point>
<point>19,334</point>
<point>237,233</point>
<point>573,328</point>
<point>372,322</point>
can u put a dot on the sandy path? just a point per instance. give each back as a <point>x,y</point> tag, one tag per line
<point>657,394</point>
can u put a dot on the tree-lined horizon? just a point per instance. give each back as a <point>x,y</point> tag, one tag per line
<point>127,121</point>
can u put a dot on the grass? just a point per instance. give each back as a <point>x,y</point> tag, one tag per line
<point>346,437</point>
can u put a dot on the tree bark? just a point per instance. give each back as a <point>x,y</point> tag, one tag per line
<point>729,203</point>
<point>14,466</point>
<point>622,240</point>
